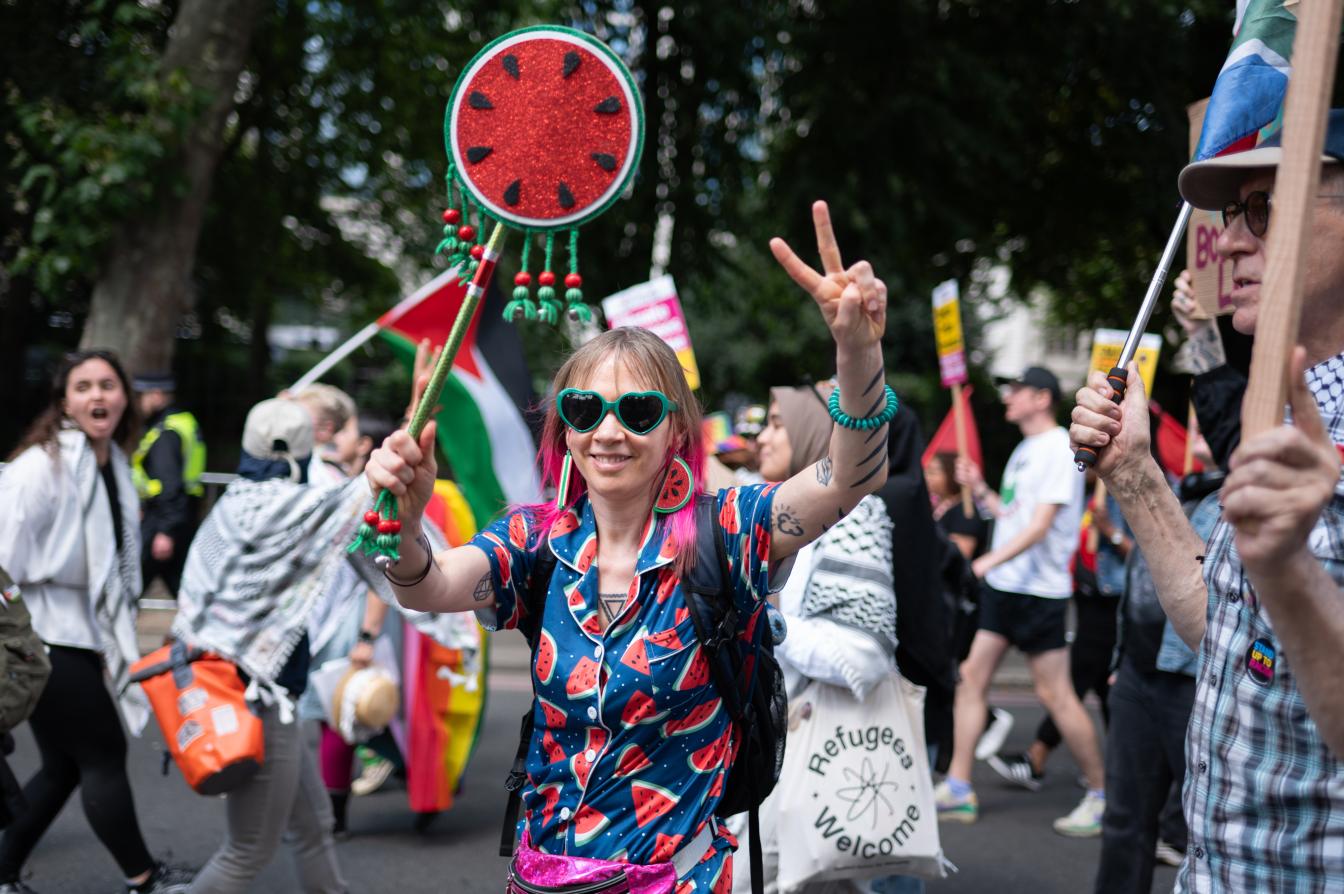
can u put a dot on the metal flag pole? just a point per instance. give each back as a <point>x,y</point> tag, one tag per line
<point>1118,377</point>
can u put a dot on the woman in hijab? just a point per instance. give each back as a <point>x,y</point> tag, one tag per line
<point>838,603</point>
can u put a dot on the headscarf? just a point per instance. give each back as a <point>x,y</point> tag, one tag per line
<point>807,422</point>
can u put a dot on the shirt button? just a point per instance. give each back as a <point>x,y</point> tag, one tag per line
<point>592,713</point>
<point>597,653</point>
<point>1199,853</point>
<point>590,755</point>
<point>564,813</point>
<point>1203,767</point>
<point>1234,596</point>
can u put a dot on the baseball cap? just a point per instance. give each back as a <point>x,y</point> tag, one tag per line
<point>278,429</point>
<point>1212,183</point>
<point>1035,377</point>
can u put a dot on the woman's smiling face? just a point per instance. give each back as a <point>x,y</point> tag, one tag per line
<point>94,398</point>
<point>616,463</point>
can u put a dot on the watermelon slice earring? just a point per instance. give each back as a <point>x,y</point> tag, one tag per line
<point>677,487</point>
<point>562,487</point>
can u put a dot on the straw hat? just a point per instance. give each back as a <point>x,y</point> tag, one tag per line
<point>365,701</point>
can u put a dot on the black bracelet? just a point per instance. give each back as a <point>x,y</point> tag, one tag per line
<point>366,636</point>
<point>429,561</point>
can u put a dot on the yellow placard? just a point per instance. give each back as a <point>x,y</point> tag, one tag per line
<point>947,319</point>
<point>1108,343</point>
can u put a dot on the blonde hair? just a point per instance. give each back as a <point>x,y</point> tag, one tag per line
<point>328,404</point>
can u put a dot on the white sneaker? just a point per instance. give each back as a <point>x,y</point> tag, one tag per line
<point>372,777</point>
<point>995,734</point>
<point>1085,820</point>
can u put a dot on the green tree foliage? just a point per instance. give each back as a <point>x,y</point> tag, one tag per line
<point>1045,134</point>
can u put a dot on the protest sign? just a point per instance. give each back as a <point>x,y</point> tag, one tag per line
<point>1210,275</point>
<point>1106,347</point>
<point>947,334</point>
<point>654,306</point>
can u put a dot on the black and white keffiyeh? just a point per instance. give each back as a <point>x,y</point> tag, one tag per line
<point>850,581</point>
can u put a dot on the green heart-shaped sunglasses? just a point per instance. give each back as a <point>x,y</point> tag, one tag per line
<point>639,411</point>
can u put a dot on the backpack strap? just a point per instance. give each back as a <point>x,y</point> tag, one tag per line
<point>708,590</point>
<point>534,598</point>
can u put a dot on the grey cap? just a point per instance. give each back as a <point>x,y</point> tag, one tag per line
<point>1212,183</point>
<point>278,429</point>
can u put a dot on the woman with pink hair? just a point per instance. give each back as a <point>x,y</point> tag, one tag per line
<point>631,744</point>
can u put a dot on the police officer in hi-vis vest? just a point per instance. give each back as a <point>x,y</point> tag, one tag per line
<point>167,468</point>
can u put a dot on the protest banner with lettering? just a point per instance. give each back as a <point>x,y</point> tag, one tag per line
<point>947,334</point>
<point>654,306</point>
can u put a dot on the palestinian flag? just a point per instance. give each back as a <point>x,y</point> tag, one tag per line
<point>481,426</point>
<point>1247,99</point>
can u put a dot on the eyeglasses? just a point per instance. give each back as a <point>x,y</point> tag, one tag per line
<point>639,411</point>
<point>1256,208</point>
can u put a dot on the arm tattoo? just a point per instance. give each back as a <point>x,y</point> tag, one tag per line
<point>881,374</point>
<point>824,472</point>
<point>788,523</point>
<point>484,589</point>
<point>864,480</point>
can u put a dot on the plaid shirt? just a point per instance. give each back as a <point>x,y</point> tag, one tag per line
<point>1264,797</point>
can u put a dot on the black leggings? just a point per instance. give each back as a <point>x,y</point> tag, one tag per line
<point>81,742</point>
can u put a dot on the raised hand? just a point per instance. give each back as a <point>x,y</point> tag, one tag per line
<point>853,301</point>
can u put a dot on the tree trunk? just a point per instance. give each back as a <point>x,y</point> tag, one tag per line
<point>143,288</point>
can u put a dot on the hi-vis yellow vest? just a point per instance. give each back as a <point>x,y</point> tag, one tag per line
<point>193,456</point>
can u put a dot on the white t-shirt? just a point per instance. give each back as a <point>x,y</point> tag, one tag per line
<point>1040,471</point>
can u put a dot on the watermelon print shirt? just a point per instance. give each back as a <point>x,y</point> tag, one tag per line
<point>631,745</point>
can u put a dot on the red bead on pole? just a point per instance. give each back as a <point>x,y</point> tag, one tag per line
<point>478,251</point>
<point>573,281</point>
<point>452,216</point>
<point>385,526</point>
<point>547,278</point>
<point>394,527</point>
<point>523,279</point>
<point>466,233</point>
<point>371,518</point>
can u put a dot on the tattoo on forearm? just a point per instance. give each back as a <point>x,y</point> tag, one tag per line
<point>881,399</point>
<point>874,433</point>
<point>786,522</point>
<point>866,478</point>
<point>483,590</point>
<point>877,379</point>
<point>825,468</point>
<point>880,448</point>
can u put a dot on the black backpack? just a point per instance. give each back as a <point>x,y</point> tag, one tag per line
<point>752,692</point>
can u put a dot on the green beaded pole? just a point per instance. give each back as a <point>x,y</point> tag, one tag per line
<point>379,534</point>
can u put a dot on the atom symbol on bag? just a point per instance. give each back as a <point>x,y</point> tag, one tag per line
<point>864,795</point>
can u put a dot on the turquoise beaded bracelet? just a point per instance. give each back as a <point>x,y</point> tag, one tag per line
<point>844,420</point>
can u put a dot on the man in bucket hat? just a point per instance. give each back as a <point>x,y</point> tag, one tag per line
<point>1262,600</point>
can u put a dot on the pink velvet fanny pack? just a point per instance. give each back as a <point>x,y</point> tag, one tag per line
<point>533,872</point>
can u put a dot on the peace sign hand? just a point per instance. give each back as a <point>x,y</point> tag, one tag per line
<point>853,302</point>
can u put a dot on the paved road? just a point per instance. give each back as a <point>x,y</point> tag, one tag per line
<point>1011,849</point>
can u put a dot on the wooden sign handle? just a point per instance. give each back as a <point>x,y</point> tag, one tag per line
<point>959,422</point>
<point>1304,120</point>
<point>1191,423</point>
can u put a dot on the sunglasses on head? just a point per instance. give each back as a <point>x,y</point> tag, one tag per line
<point>639,411</point>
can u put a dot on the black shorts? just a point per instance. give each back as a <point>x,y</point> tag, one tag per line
<point>1034,624</point>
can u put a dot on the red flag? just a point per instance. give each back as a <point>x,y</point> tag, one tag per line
<point>945,438</point>
<point>1171,438</point>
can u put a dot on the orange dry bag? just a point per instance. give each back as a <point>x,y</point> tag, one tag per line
<point>211,731</point>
